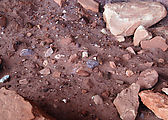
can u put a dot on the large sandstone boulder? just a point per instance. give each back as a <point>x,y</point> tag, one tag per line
<point>156,102</point>
<point>127,102</point>
<point>14,107</point>
<point>122,18</point>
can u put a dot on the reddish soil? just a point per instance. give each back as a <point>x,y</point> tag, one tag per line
<point>45,19</point>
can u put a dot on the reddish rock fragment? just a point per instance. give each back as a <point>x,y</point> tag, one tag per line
<point>156,42</point>
<point>14,107</point>
<point>56,74</point>
<point>45,71</point>
<point>127,102</point>
<point>73,58</point>
<point>141,34</point>
<point>83,73</point>
<point>156,102</point>
<point>112,64</point>
<point>148,78</point>
<point>90,5</point>
<point>59,2</point>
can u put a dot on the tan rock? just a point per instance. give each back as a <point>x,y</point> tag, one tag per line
<point>126,56</point>
<point>56,74</point>
<point>156,42</point>
<point>45,71</point>
<point>14,107</point>
<point>127,102</point>
<point>156,102</point>
<point>59,2</point>
<point>73,58</point>
<point>129,73</point>
<point>165,90</point>
<point>90,5</point>
<point>123,18</point>
<point>148,78</point>
<point>141,34</point>
<point>83,73</point>
<point>97,100</point>
<point>131,50</point>
<point>112,64</point>
<point>120,38</point>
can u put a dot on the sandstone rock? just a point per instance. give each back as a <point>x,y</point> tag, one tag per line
<point>56,74</point>
<point>156,42</point>
<point>49,52</point>
<point>131,50</point>
<point>90,5</point>
<point>127,102</point>
<point>165,90</point>
<point>45,71</point>
<point>129,73</point>
<point>112,64</point>
<point>59,2</point>
<point>83,73</point>
<point>122,18</point>
<point>120,38</point>
<point>148,78</point>
<point>97,100</point>
<point>73,58</point>
<point>141,34</point>
<point>14,107</point>
<point>156,102</point>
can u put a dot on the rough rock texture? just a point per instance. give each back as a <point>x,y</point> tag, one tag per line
<point>122,18</point>
<point>14,107</point>
<point>156,102</point>
<point>127,102</point>
<point>165,90</point>
<point>156,42</point>
<point>90,5</point>
<point>141,34</point>
<point>148,78</point>
<point>59,2</point>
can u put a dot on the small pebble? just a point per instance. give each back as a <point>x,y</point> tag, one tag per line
<point>3,79</point>
<point>104,31</point>
<point>112,64</point>
<point>29,34</point>
<point>83,73</point>
<point>49,52</point>
<point>26,52</point>
<point>45,71</point>
<point>165,90</point>
<point>129,73</point>
<point>97,100</point>
<point>85,54</point>
<point>64,100</point>
<point>92,63</point>
<point>23,82</point>
<point>45,62</point>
